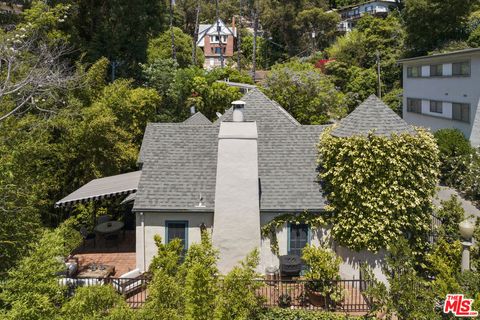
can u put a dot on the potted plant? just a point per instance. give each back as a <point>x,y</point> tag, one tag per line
<point>323,268</point>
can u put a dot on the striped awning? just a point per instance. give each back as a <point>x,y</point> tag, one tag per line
<point>103,188</point>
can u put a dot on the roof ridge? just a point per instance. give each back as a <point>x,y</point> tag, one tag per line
<point>197,118</point>
<point>371,114</point>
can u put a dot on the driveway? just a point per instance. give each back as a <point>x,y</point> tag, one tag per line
<point>445,193</point>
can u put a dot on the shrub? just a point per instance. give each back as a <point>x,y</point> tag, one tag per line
<point>379,188</point>
<point>443,266</point>
<point>291,314</point>
<point>452,144</point>
<point>165,292</point>
<point>32,290</point>
<point>450,214</point>
<point>97,302</point>
<point>323,267</point>
<point>201,285</point>
<point>470,283</point>
<point>192,289</point>
<point>409,296</point>
<point>466,174</point>
<point>475,250</point>
<point>168,256</point>
<point>237,298</point>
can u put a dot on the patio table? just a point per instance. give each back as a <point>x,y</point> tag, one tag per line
<point>109,227</point>
<point>96,271</point>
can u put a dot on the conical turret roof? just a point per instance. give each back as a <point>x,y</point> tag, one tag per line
<point>372,115</point>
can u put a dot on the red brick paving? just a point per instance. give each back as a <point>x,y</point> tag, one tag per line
<point>120,255</point>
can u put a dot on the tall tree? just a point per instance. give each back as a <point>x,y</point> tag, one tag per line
<point>116,29</point>
<point>316,24</point>
<point>430,24</point>
<point>195,34</point>
<point>306,93</point>
<point>161,48</point>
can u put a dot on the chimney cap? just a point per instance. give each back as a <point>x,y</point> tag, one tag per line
<point>238,104</point>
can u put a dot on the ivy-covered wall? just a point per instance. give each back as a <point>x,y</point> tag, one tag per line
<point>379,188</point>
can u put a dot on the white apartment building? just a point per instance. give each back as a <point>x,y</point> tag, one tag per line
<point>443,91</point>
<point>351,14</point>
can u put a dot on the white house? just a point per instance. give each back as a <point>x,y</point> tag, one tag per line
<point>443,91</point>
<point>232,177</point>
<point>351,14</point>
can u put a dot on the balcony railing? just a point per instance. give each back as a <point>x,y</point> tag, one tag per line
<point>294,294</point>
<point>133,290</point>
<point>272,293</point>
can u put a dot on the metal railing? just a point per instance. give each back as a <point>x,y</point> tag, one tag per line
<point>435,225</point>
<point>134,290</point>
<point>273,293</point>
<point>295,294</point>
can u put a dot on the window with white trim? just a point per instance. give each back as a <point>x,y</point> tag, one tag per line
<point>461,68</point>
<point>414,72</point>
<point>414,105</point>
<point>436,70</point>
<point>436,106</point>
<point>461,112</point>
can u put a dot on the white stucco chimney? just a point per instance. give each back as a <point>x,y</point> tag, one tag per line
<point>236,221</point>
<point>238,111</point>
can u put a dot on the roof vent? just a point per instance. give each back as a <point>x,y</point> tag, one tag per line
<point>200,202</point>
<point>238,109</point>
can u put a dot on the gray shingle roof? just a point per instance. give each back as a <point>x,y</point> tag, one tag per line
<point>179,162</point>
<point>197,119</point>
<point>263,110</point>
<point>372,114</point>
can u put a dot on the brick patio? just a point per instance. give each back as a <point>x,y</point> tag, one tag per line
<point>120,255</point>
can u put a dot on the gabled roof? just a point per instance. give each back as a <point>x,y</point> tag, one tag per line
<point>179,162</point>
<point>197,119</point>
<point>372,115</point>
<point>204,29</point>
<point>263,110</point>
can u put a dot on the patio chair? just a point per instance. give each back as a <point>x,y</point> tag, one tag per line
<point>103,218</point>
<point>71,265</point>
<point>87,236</point>
<point>290,266</point>
<point>130,283</point>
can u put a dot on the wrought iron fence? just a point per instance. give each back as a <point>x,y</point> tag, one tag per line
<point>134,290</point>
<point>435,225</point>
<point>272,293</point>
<point>296,294</point>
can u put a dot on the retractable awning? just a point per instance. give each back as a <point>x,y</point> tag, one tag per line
<point>103,188</point>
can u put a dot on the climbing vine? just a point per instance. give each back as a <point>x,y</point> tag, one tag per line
<point>379,188</point>
<point>270,229</point>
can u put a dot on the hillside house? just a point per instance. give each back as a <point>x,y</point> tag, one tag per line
<point>351,14</point>
<point>233,176</point>
<point>214,39</point>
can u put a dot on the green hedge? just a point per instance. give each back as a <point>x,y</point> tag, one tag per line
<point>289,314</point>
